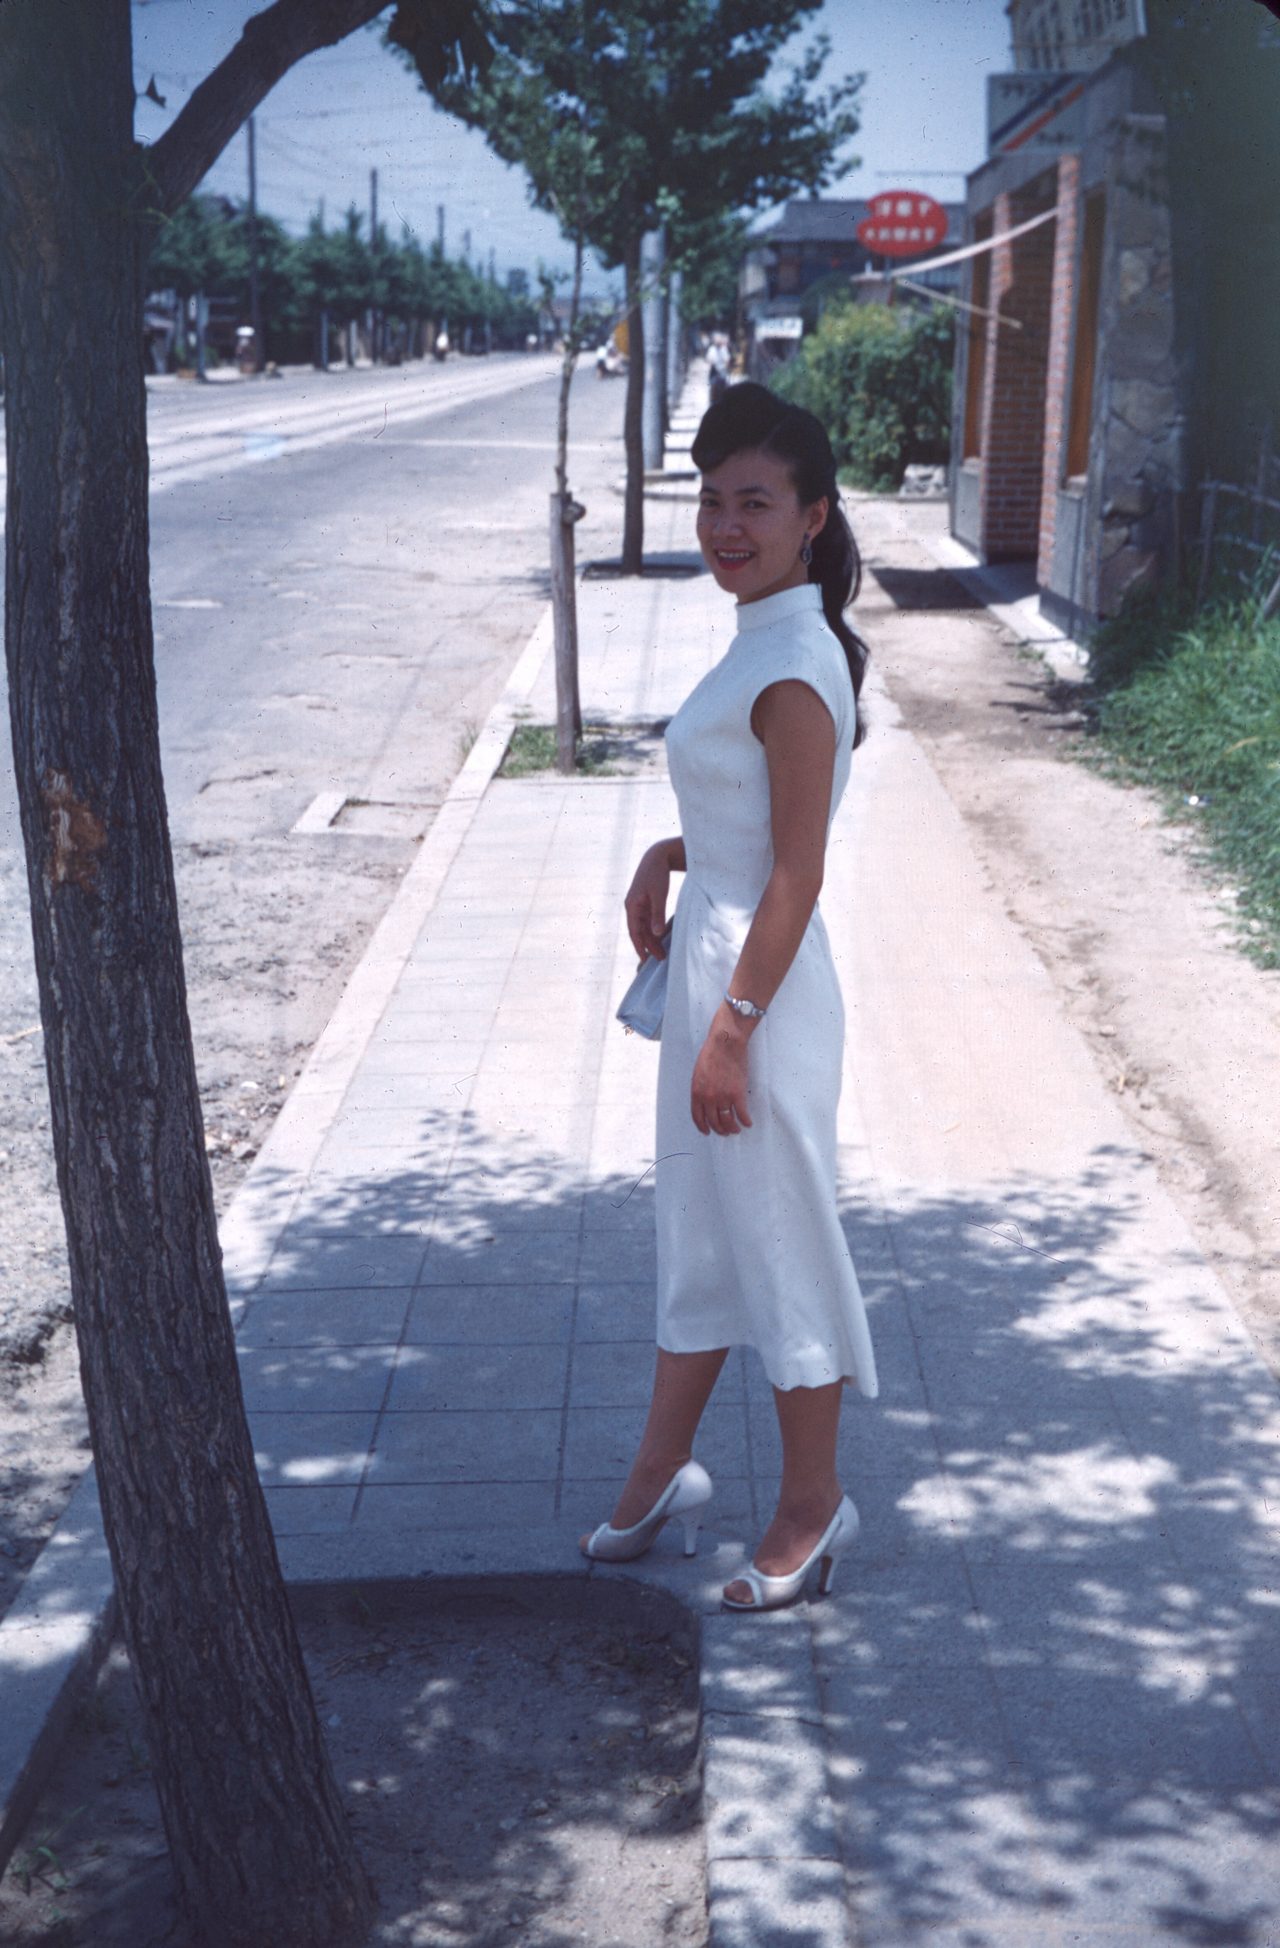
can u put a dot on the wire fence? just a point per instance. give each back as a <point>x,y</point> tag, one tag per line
<point>1240,532</point>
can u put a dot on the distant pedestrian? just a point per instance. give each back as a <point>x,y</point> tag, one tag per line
<point>750,1249</point>
<point>719,360</point>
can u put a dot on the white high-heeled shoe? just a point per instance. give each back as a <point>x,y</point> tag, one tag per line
<point>771,1592</point>
<point>685,1496</point>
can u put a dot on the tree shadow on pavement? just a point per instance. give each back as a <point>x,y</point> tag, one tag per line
<point>1048,1673</point>
<point>1050,1691</point>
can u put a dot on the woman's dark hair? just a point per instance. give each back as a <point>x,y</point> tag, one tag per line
<point>750,418</point>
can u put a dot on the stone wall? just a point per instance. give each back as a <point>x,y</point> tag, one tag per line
<point>1137,421</point>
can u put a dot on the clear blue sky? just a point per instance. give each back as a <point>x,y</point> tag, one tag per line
<point>351,108</point>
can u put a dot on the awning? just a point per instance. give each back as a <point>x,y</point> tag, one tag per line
<point>973,249</point>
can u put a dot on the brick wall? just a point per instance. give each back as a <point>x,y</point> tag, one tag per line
<point>1014,407</point>
<point>1057,389</point>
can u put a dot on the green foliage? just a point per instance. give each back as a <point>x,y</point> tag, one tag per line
<point>708,254</point>
<point>879,379</point>
<point>204,248</point>
<point>1189,704</point>
<point>625,112</point>
<point>533,749</point>
<point>198,249</point>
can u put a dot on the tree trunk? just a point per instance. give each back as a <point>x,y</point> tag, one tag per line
<point>258,1836</point>
<point>564,512</point>
<point>633,420</point>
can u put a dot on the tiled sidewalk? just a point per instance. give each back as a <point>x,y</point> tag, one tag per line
<point>1048,1679</point>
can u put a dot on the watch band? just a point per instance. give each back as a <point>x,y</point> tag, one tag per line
<point>747,1009</point>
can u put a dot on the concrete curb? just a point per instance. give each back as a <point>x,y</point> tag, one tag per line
<point>251,1226</point>
<point>51,1643</point>
<point>1020,613</point>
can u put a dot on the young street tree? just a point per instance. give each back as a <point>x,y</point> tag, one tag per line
<point>257,1833</point>
<point>672,104</point>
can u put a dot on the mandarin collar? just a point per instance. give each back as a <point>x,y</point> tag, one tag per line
<point>773,608</point>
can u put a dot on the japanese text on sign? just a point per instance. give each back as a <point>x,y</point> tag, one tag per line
<point>901,222</point>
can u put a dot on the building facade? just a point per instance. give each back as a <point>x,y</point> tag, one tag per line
<point>810,253</point>
<point>1116,347</point>
<point>1071,36</point>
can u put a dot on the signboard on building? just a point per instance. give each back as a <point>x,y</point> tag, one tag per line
<point>1034,112</point>
<point>902,223</point>
<point>780,328</point>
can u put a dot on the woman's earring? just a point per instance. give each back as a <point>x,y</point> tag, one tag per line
<point>806,553</point>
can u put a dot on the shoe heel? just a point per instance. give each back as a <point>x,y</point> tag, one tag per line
<point>691,1523</point>
<point>827,1574</point>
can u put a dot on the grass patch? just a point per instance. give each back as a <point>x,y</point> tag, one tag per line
<point>533,748</point>
<point>1189,704</point>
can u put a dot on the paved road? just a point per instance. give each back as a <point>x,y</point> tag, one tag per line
<point>295,524</point>
<point>344,570</point>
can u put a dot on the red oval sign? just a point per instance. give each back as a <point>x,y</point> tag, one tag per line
<point>902,223</point>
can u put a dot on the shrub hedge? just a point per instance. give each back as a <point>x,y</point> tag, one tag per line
<point>879,379</point>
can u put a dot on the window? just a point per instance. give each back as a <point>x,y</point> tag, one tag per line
<point>976,371</point>
<point>1086,346</point>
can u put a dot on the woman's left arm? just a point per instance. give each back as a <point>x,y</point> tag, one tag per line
<point>799,741</point>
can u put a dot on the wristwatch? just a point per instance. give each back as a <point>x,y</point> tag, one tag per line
<point>747,1009</point>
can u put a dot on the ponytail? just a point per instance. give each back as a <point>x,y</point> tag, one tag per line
<point>750,417</point>
<point>837,569</point>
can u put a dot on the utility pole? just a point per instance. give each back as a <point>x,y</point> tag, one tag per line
<point>651,278</point>
<point>493,265</point>
<point>676,339</point>
<point>255,308</point>
<point>466,244</point>
<point>440,226</point>
<point>375,319</point>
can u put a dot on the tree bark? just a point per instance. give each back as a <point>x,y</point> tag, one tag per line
<point>257,1832</point>
<point>633,419</point>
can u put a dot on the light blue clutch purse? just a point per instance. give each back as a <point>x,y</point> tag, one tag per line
<point>642,1005</point>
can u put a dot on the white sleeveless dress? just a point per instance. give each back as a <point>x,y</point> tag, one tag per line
<point>750,1250</point>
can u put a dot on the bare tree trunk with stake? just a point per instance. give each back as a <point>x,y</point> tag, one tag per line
<point>565,512</point>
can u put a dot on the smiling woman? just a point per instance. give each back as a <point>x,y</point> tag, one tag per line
<point>755,534</point>
<point>750,1250</point>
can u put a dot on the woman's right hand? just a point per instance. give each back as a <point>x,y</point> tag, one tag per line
<point>646,903</point>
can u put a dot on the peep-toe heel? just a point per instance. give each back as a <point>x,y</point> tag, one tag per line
<point>771,1592</point>
<point>686,1496</point>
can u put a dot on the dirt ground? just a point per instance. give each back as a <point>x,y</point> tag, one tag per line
<point>1137,931</point>
<point>520,1768</point>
